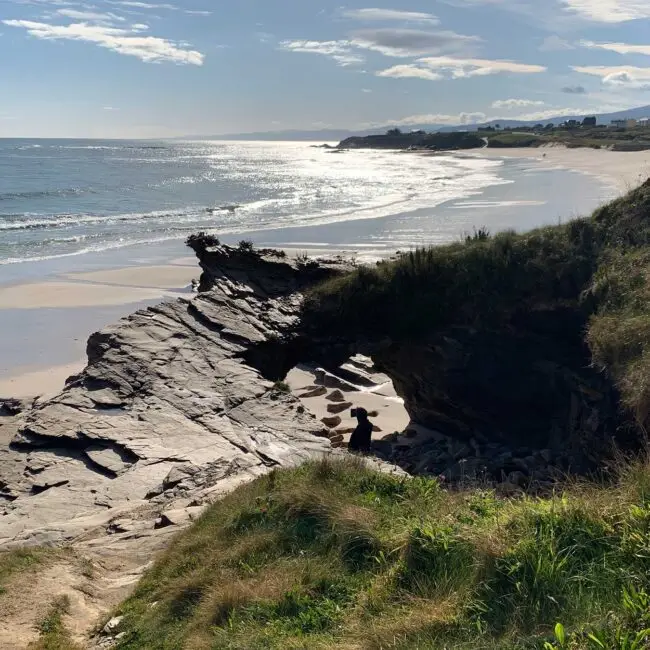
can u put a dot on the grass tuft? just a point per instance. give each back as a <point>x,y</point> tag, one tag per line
<point>53,635</point>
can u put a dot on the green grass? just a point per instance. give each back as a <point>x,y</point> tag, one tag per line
<point>510,139</point>
<point>336,555</point>
<point>481,281</point>
<point>637,139</point>
<point>20,561</point>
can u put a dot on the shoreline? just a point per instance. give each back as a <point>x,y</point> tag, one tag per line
<point>51,320</point>
<point>623,170</point>
<point>77,303</point>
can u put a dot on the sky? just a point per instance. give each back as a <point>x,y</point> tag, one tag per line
<point>143,68</point>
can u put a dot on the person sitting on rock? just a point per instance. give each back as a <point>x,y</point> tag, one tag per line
<point>360,440</point>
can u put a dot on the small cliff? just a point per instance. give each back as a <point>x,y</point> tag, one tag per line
<point>415,140</point>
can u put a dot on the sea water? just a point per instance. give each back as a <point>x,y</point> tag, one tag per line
<point>76,198</point>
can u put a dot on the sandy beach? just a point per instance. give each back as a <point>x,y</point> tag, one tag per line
<point>64,311</point>
<point>624,170</point>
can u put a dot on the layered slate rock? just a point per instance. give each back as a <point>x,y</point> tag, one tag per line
<point>170,405</point>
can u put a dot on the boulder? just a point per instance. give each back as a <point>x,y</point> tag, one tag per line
<point>111,628</point>
<point>339,408</point>
<point>332,422</point>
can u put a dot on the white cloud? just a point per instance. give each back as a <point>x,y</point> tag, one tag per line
<point>620,48</point>
<point>410,71</point>
<point>340,51</point>
<point>472,118</point>
<point>372,14</point>
<point>609,11</point>
<point>554,43</point>
<point>143,5</point>
<point>435,68</point>
<point>627,77</point>
<point>511,104</point>
<point>412,42</point>
<point>123,41</point>
<point>136,4</point>
<point>90,16</point>
<point>432,118</point>
<point>538,116</point>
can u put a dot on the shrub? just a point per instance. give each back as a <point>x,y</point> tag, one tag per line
<point>201,241</point>
<point>246,246</point>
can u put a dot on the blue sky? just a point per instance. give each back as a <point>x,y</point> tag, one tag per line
<point>143,68</point>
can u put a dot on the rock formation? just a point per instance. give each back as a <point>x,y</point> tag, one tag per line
<point>170,411</point>
<point>395,139</point>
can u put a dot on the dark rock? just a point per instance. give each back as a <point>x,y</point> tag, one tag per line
<point>13,406</point>
<point>318,391</point>
<point>332,422</point>
<point>547,455</point>
<point>518,478</point>
<point>339,408</point>
<point>328,380</point>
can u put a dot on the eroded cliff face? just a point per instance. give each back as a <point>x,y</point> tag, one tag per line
<point>178,404</point>
<point>525,391</point>
<point>169,412</point>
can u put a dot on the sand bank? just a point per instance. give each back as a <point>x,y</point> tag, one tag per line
<point>623,170</point>
<point>46,383</point>
<point>48,341</point>
<point>100,288</point>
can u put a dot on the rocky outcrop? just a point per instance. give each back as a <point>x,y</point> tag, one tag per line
<point>494,395</point>
<point>517,389</point>
<point>172,410</point>
<point>415,140</point>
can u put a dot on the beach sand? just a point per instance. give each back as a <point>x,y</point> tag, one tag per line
<point>39,383</point>
<point>623,170</point>
<point>100,288</point>
<point>391,416</point>
<point>52,320</point>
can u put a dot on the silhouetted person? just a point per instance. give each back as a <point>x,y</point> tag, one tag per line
<point>360,440</point>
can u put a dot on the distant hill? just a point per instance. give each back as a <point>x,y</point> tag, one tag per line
<point>604,118</point>
<point>336,135</point>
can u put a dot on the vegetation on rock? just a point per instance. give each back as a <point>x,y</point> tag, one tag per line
<point>337,555</point>
<point>201,241</point>
<point>396,139</point>
<point>597,268</point>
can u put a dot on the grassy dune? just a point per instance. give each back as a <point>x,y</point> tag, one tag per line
<point>335,555</point>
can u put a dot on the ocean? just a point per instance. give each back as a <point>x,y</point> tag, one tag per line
<point>76,198</point>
